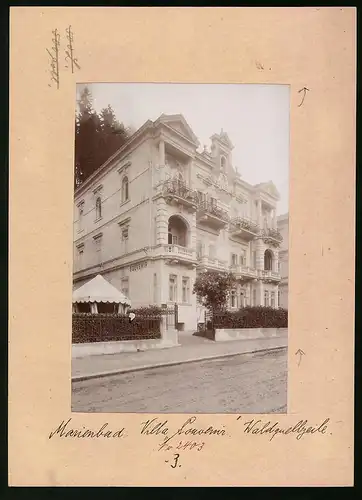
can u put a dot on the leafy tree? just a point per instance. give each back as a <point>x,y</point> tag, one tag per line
<point>213,289</point>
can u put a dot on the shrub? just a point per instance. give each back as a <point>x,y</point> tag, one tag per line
<point>150,310</point>
<point>213,288</point>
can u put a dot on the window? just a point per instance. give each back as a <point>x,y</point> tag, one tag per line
<point>272,299</point>
<point>234,259</point>
<point>199,249</point>
<point>124,191</point>
<point>233,298</point>
<point>222,163</point>
<point>242,258</point>
<point>98,208</point>
<point>268,260</point>
<point>125,240</point>
<point>254,298</point>
<point>185,289</point>
<point>155,287</point>
<point>174,240</point>
<point>80,255</point>
<point>279,294</point>
<point>125,286</point>
<point>172,296</point>
<point>80,216</point>
<point>242,299</point>
<point>212,251</point>
<point>266,298</point>
<point>98,246</point>
<point>213,201</point>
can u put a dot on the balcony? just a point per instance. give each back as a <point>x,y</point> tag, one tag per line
<point>176,254</point>
<point>244,273</point>
<point>269,276</point>
<point>212,215</point>
<point>244,228</point>
<point>272,236</point>
<point>176,192</point>
<point>206,263</point>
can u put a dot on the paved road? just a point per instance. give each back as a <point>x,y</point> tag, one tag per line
<point>246,383</point>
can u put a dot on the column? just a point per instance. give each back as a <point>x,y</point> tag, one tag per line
<point>276,290</point>
<point>260,218</point>
<point>161,152</point>
<point>161,222</point>
<point>261,293</point>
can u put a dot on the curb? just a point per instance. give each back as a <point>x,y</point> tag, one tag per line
<point>81,378</point>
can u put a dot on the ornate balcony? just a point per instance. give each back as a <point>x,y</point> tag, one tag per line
<point>212,215</point>
<point>269,276</point>
<point>244,228</point>
<point>206,263</point>
<point>244,273</point>
<point>176,254</point>
<point>177,192</point>
<point>272,236</point>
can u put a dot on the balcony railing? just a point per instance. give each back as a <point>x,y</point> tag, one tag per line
<point>244,227</point>
<point>269,276</point>
<point>272,235</point>
<point>178,249</point>
<point>244,272</point>
<point>175,254</point>
<point>206,262</point>
<point>210,213</point>
<point>176,191</point>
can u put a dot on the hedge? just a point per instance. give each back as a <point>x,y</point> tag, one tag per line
<point>252,317</point>
<point>114,327</point>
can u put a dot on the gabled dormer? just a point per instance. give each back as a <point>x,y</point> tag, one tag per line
<point>221,147</point>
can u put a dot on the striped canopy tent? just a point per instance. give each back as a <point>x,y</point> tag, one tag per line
<point>97,296</point>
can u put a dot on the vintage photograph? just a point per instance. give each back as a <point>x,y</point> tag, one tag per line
<point>180,235</point>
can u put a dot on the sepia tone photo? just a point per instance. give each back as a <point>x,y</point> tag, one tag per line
<point>180,272</point>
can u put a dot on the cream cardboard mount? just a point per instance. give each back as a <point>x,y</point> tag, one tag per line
<point>311,445</point>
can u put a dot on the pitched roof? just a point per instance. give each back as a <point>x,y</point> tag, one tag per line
<point>99,290</point>
<point>178,123</point>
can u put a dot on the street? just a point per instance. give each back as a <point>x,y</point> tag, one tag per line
<point>245,383</point>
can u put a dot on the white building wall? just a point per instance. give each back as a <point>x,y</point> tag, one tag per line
<point>146,216</point>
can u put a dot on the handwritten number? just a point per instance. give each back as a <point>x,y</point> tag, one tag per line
<point>176,460</point>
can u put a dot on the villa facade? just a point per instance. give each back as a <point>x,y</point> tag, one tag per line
<point>160,211</point>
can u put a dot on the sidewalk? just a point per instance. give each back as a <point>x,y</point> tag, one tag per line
<point>192,348</point>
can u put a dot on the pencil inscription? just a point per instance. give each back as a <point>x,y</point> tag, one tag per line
<point>54,59</point>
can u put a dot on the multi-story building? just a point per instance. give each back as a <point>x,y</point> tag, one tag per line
<point>283,227</point>
<point>159,212</point>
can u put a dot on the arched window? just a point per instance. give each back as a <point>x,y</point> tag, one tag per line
<point>98,208</point>
<point>124,189</point>
<point>268,260</point>
<point>223,163</point>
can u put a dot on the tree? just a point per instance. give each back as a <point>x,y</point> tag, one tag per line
<point>97,137</point>
<point>213,289</point>
<point>87,130</point>
<point>113,134</point>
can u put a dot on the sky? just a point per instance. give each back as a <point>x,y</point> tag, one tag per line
<point>255,117</point>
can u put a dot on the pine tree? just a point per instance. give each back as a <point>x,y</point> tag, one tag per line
<point>97,137</point>
<point>87,136</point>
<point>113,134</point>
